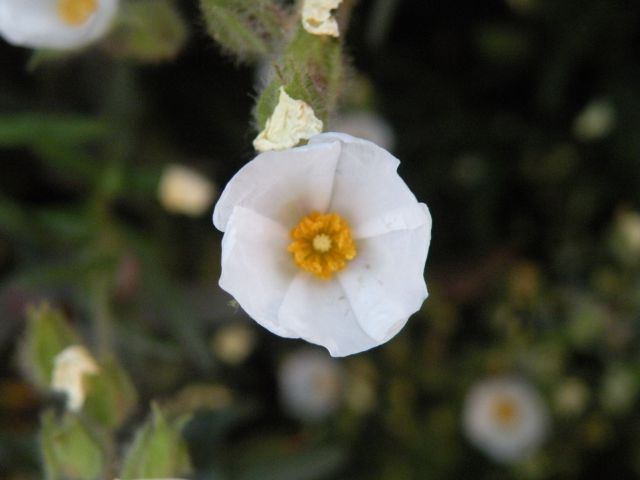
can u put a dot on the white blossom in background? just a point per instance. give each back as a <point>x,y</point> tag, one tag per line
<point>505,418</point>
<point>317,17</point>
<point>367,125</point>
<point>291,121</point>
<point>186,191</point>
<point>325,242</point>
<point>55,24</point>
<point>70,368</point>
<point>595,121</point>
<point>310,384</point>
<point>626,234</point>
<point>234,343</point>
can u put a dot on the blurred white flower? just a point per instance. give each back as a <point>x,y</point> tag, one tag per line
<point>55,24</point>
<point>234,343</point>
<point>291,121</point>
<point>325,242</point>
<point>310,384</point>
<point>183,190</point>
<point>70,367</point>
<point>317,18</point>
<point>505,418</point>
<point>595,121</point>
<point>367,125</point>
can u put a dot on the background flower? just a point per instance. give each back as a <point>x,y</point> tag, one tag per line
<point>505,418</point>
<point>362,305</point>
<point>310,384</point>
<point>56,24</point>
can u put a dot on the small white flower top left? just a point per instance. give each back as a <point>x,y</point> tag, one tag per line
<point>55,24</point>
<point>70,368</point>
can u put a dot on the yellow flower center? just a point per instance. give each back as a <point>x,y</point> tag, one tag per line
<point>76,12</point>
<point>505,411</point>
<point>322,244</point>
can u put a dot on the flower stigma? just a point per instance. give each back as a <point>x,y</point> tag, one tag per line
<point>505,411</point>
<point>322,244</point>
<point>76,12</point>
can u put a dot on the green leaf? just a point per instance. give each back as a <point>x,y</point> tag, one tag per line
<point>158,449</point>
<point>111,395</point>
<point>309,465</point>
<point>147,30</point>
<point>37,128</point>
<point>47,334</point>
<point>248,29</point>
<point>69,450</point>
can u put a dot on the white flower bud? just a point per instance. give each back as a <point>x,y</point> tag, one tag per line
<point>183,190</point>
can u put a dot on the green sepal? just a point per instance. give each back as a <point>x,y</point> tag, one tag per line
<point>69,450</point>
<point>111,394</point>
<point>247,29</point>
<point>158,449</point>
<point>311,69</point>
<point>47,334</point>
<point>148,31</point>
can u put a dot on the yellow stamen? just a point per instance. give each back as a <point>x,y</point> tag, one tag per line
<point>322,244</point>
<point>505,411</point>
<point>76,12</point>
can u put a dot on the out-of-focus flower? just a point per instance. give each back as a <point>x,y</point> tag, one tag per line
<point>70,367</point>
<point>183,190</point>
<point>291,121</point>
<point>310,384</point>
<point>55,24</point>
<point>571,397</point>
<point>325,242</point>
<point>595,121</point>
<point>367,125</point>
<point>505,418</point>
<point>317,18</point>
<point>234,343</point>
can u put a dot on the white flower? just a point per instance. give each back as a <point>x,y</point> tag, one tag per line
<point>367,125</point>
<point>310,384</point>
<point>505,418</point>
<point>317,18</point>
<point>325,242</point>
<point>56,24</point>
<point>183,190</point>
<point>291,121</point>
<point>70,367</point>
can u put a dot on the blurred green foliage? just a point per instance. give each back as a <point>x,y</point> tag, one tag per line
<point>534,267</point>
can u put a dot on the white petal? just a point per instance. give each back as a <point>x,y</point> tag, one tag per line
<point>283,186</point>
<point>385,282</point>
<point>317,18</point>
<point>35,23</point>
<point>319,312</point>
<point>291,121</point>
<point>256,267</point>
<point>367,190</point>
